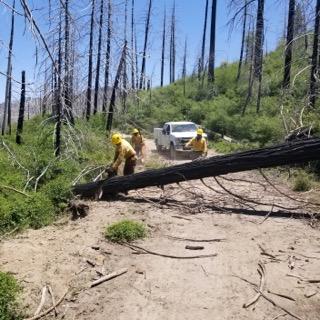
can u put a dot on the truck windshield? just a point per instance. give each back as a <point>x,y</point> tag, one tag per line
<point>190,127</point>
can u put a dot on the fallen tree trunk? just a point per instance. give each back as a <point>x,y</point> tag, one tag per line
<point>284,154</point>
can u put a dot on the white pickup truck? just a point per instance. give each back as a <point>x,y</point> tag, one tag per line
<point>173,136</point>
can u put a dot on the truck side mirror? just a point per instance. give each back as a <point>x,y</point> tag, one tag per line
<point>163,131</point>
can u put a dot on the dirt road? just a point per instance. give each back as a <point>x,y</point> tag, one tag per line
<point>162,288</point>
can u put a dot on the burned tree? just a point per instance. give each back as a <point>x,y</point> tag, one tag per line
<point>144,54</point>
<point>133,51</point>
<point>173,45</point>
<point>289,44</point>
<point>203,47</point>
<point>107,62</point>
<point>184,68</point>
<point>89,87</point>
<point>21,108</point>
<point>97,80</point>
<point>314,59</point>
<point>163,48</point>
<point>7,101</point>
<point>211,66</point>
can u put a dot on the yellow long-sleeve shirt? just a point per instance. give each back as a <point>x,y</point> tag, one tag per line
<point>137,140</point>
<point>198,145</point>
<point>124,151</point>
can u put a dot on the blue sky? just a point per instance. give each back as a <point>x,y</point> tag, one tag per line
<point>189,14</point>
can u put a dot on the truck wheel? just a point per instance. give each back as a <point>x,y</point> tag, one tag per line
<point>172,152</point>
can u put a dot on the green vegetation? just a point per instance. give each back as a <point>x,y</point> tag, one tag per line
<point>9,290</point>
<point>125,231</point>
<point>46,198</point>
<point>302,181</point>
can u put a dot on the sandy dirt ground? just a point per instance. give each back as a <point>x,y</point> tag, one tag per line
<point>71,254</point>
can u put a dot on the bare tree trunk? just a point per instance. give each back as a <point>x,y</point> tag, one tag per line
<point>57,143</point>
<point>107,67</point>
<point>7,101</point>
<point>203,49</point>
<point>114,90</point>
<point>21,108</point>
<point>258,48</point>
<point>288,49</point>
<point>67,73</point>
<point>89,88</point>
<point>314,59</point>
<point>211,66</point>
<point>184,68</point>
<point>133,52</point>
<point>244,29</point>
<point>163,48</point>
<point>143,65</point>
<point>136,57</point>
<point>96,87</point>
<point>173,30</point>
<point>124,79</point>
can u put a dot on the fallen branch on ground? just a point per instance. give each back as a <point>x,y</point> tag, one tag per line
<point>108,277</point>
<point>53,301</point>
<point>194,247</point>
<point>146,251</point>
<point>14,190</point>
<point>303,279</point>
<point>48,310</point>
<point>42,301</point>
<point>196,240</point>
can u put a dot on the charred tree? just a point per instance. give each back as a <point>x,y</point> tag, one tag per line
<point>133,51</point>
<point>289,45</point>
<point>107,63</point>
<point>144,54</point>
<point>124,69</point>
<point>97,80</point>
<point>244,29</point>
<point>284,154</point>
<point>89,88</point>
<point>7,101</point>
<point>114,90</point>
<point>211,66</point>
<point>314,59</point>
<point>184,68</point>
<point>173,45</point>
<point>21,108</point>
<point>259,39</point>
<point>203,47</point>
<point>163,48</point>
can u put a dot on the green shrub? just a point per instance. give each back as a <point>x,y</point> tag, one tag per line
<point>302,182</point>
<point>125,231</point>
<point>9,290</point>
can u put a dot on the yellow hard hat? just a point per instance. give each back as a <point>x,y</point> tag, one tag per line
<point>135,131</point>
<point>116,138</point>
<point>200,132</point>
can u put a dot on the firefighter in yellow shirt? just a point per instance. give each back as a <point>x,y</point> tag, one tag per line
<point>123,152</point>
<point>198,144</point>
<point>137,142</point>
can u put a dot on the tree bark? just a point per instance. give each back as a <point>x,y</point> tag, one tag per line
<point>97,80</point>
<point>284,154</point>
<point>184,68</point>
<point>314,59</point>
<point>89,88</point>
<point>244,29</point>
<point>163,48</point>
<point>124,73</point>
<point>203,48</point>
<point>107,67</point>
<point>133,51</point>
<point>288,49</point>
<point>21,108</point>
<point>211,66</point>
<point>114,90</point>
<point>7,101</point>
<point>144,57</point>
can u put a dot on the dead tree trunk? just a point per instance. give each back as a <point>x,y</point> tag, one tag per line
<point>97,80</point>
<point>244,29</point>
<point>203,48</point>
<point>133,52</point>
<point>124,73</point>
<point>114,90</point>
<point>144,57</point>
<point>173,46</point>
<point>284,154</point>
<point>163,48</point>
<point>7,101</point>
<point>288,49</point>
<point>212,51</point>
<point>314,60</point>
<point>89,88</point>
<point>21,108</point>
<point>184,68</point>
<point>107,67</point>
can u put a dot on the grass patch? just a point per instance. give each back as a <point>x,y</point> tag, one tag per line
<point>155,162</point>
<point>9,290</point>
<point>125,231</point>
<point>226,147</point>
<point>302,181</point>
